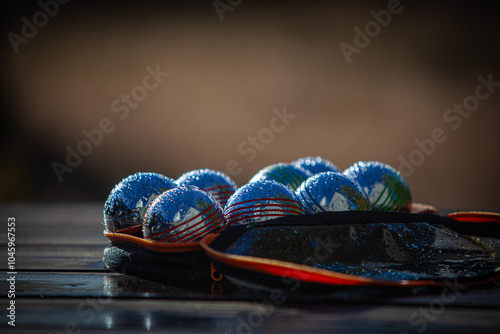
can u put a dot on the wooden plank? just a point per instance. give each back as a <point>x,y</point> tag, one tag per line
<point>51,214</point>
<point>109,284</point>
<point>54,224</point>
<point>96,314</point>
<point>56,257</point>
<point>104,284</point>
<point>39,235</point>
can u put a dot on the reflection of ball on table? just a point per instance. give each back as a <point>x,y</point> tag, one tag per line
<point>218,184</point>
<point>129,199</point>
<point>315,165</point>
<point>386,189</point>
<point>261,200</point>
<point>183,214</point>
<point>331,191</point>
<point>287,174</point>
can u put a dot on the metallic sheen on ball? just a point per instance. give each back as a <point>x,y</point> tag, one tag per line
<point>287,174</point>
<point>129,199</point>
<point>315,165</point>
<point>261,200</point>
<point>183,214</point>
<point>218,184</point>
<point>387,190</point>
<point>331,191</point>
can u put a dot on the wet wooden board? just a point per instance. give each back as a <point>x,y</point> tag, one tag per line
<point>55,224</point>
<point>62,286</point>
<point>101,314</point>
<point>56,237</point>
<point>56,257</point>
<point>109,284</point>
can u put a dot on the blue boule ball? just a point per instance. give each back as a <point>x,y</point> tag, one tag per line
<point>127,203</point>
<point>315,165</point>
<point>218,184</point>
<point>331,191</point>
<point>287,174</point>
<point>183,214</point>
<point>261,200</point>
<point>386,188</point>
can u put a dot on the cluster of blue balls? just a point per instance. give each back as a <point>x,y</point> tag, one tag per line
<point>205,201</point>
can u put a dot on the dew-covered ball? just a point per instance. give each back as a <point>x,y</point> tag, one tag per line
<point>315,165</point>
<point>218,184</point>
<point>386,188</point>
<point>331,191</point>
<point>183,214</point>
<point>127,203</point>
<point>287,174</point>
<point>261,200</point>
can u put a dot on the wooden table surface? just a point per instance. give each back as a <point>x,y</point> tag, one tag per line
<point>62,286</point>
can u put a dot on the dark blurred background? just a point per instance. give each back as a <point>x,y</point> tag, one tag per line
<point>226,77</point>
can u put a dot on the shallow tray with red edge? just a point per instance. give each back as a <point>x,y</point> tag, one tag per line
<point>279,273</point>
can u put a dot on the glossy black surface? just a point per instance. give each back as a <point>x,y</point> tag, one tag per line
<point>63,287</point>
